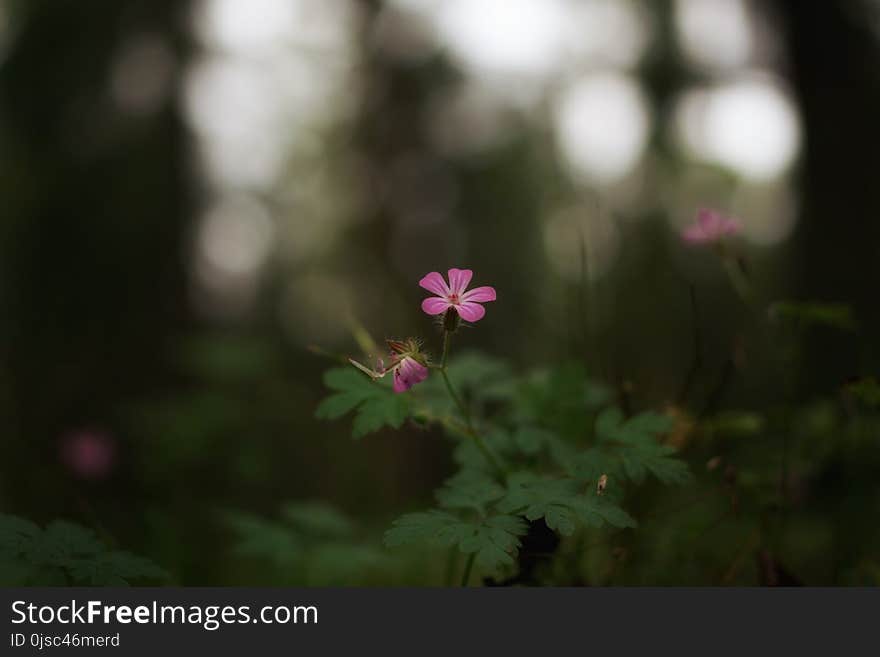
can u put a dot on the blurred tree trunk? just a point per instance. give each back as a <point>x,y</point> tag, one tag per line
<point>96,207</point>
<point>835,59</point>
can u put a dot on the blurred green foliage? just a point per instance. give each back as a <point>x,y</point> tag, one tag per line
<point>64,553</point>
<point>743,441</point>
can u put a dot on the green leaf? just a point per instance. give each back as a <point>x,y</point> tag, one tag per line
<point>376,405</point>
<point>469,489</point>
<point>477,377</point>
<point>335,406</point>
<point>65,553</point>
<point>630,447</point>
<point>114,569</point>
<point>493,540</point>
<point>611,425</point>
<point>391,410</point>
<point>16,535</point>
<point>562,400</point>
<point>481,375</point>
<point>561,504</point>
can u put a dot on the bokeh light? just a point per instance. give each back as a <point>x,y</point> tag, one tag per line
<point>715,34</point>
<point>602,124</point>
<point>749,125</point>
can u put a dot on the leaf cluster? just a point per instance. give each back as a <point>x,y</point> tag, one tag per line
<point>556,432</point>
<point>64,553</point>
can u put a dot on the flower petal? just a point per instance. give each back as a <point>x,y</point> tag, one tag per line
<point>409,373</point>
<point>470,311</point>
<point>415,370</point>
<point>435,305</point>
<point>481,294</point>
<point>434,282</point>
<point>459,280</point>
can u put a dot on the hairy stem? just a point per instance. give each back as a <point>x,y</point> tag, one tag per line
<point>465,414</point>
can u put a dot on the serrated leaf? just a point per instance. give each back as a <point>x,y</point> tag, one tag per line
<point>374,403</point>
<point>630,447</point>
<point>65,553</point>
<point>345,379</point>
<point>469,489</point>
<point>373,414</point>
<point>595,510</point>
<point>335,406</point>
<point>493,540</point>
<point>561,504</point>
<point>16,535</point>
<point>114,569</point>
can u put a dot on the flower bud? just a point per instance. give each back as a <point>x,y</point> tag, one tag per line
<point>451,320</point>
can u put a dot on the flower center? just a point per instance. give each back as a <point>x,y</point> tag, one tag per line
<point>453,299</point>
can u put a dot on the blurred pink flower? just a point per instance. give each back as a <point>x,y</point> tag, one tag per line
<point>88,453</point>
<point>466,303</point>
<point>710,227</point>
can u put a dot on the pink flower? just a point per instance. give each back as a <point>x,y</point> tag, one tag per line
<point>466,303</point>
<point>407,365</point>
<point>710,227</point>
<point>408,372</point>
<point>89,454</point>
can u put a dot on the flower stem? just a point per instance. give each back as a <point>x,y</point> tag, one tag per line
<point>467,569</point>
<point>465,414</point>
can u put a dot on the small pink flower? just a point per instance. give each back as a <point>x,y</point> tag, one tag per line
<point>466,303</point>
<point>89,454</point>
<point>710,227</point>
<point>408,372</point>
<point>407,365</point>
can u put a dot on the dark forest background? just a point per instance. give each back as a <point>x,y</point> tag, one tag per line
<point>165,271</point>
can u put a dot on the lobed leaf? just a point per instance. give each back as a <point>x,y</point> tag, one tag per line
<point>469,489</point>
<point>374,403</point>
<point>493,540</point>
<point>65,553</point>
<point>561,504</point>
